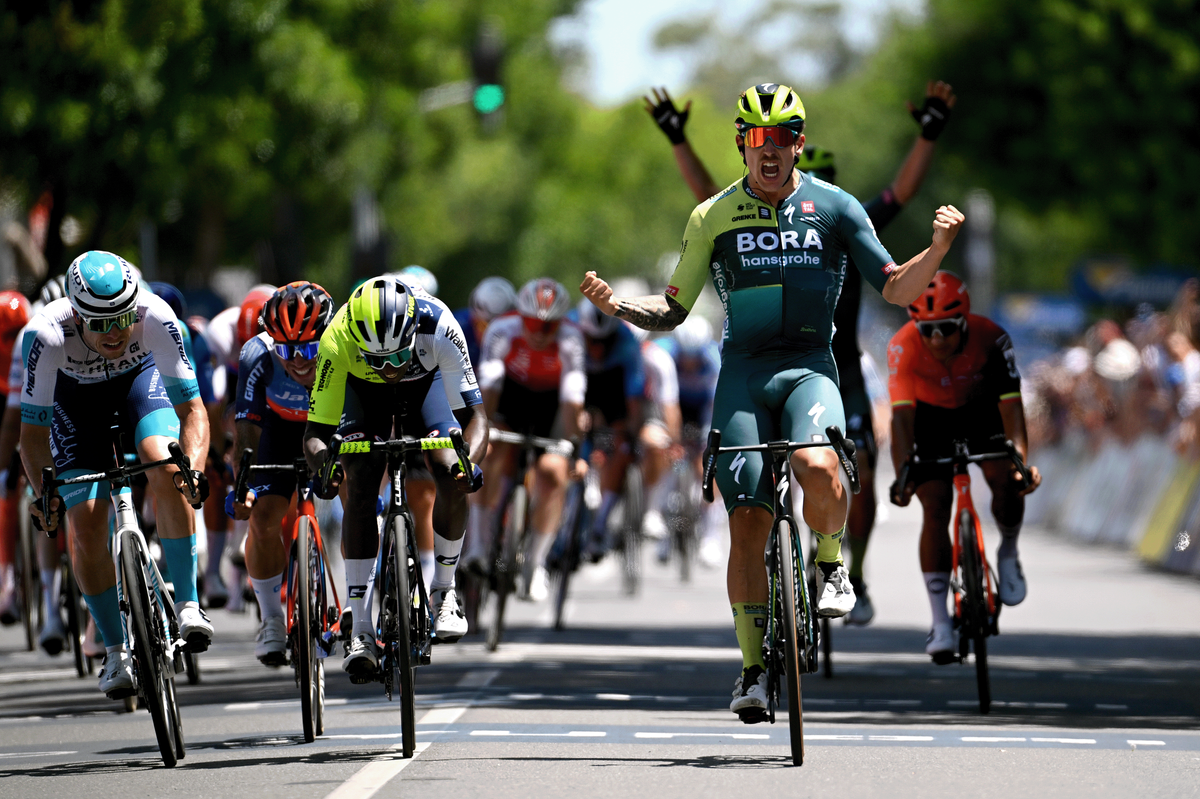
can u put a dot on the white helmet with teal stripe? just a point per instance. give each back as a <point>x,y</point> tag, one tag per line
<point>102,285</point>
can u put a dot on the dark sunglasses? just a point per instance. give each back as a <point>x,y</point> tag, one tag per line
<point>396,359</point>
<point>947,327</point>
<point>107,323</point>
<point>540,325</point>
<point>780,136</point>
<point>307,351</point>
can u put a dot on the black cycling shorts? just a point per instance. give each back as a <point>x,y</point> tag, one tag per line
<point>937,429</point>
<point>527,412</point>
<point>606,394</point>
<point>859,426</point>
<point>282,442</point>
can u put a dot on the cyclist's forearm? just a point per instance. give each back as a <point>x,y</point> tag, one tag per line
<point>910,279</point>
<point>570,419</point>
<point>903,435</point>
<point>193,431</point>
<point>654,312</point>
<point>673,418</point>
<point>475,431</point>
<point>316,442</point>
<point>1012,416</point>
<point>248,436</point>
<point>35,453</point>
<point>912,172</point>
<point>694,172</point>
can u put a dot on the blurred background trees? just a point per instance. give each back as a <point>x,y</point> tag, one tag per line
<point>336,138</point>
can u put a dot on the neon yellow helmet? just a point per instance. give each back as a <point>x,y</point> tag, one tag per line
<point>383,316</point>
<point>817,161</point>
<point>769,104</point>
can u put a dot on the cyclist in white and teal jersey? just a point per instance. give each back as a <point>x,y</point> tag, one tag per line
<point>111,347</point>
<point>776,245</point>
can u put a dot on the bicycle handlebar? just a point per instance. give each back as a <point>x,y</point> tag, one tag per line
<point>555,446</point>
<point>399,447</point>
<point>961,456</point>
<point>845,449</point>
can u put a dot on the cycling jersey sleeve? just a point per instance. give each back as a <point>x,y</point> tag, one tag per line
<point>458,376</point>
<point>1000,374</point>
<point>16,373</point>
<point>255,370</point>
<point>666,380</point>
<point>629,355</point>
<point>572,385</point>
<point>328,394</point>
<point>900,384</point>
<point>694,254</point>
<point>42,352</point>
<point>867,252</point>
<point>163,336</point>
<point>496,344</point>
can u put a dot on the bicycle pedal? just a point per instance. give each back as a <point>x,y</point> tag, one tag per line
<point>196,643</point>
<point>121,693</point>
<point>362,678</point>
<point>946,658</point>
<point>753,715</point>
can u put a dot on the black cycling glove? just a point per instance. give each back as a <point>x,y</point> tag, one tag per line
<point>671,120</point>
<point>932,117</point>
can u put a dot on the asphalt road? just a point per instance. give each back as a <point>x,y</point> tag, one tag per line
<point>1095,678</point>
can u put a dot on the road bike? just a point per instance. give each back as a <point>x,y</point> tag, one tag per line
<point>792,634</point>
<point>510,552</point>
<point>976,605</point>
<point>148,621</point>
<point>405,622</point>
<point>579,508</point>
<point>312,620</point>
<point>28,582</point>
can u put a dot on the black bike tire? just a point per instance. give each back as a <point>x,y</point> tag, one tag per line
<point>631,532</point>
<point>404,657</point>
<point>569,561</point>
<point>147,656</point>
<point>191,667</point>
<point>75,629</point>
<point>975,606</point>
<point>792,636</point>
<point>302,626</point>
<point>29,581</point>
<point>683,525</point>
<point>508,563</point>
<point>826,648</point>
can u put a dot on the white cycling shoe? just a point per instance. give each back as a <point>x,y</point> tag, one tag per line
<point>270,645</point>
<point>750,695</point>
<point>194,626</point>
<point>449,623</point>
<point>864,610</point>
<point>940,643</point>
<point>836,595</point>
<point>362,658</point>
<point>1012,580</point>
<point>116,675</point>
<point>538,588</point>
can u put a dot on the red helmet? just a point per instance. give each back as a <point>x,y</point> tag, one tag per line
<point>249,322</point>
<point>945,298</point>
<point>15,311</point>
<point>298,312</point>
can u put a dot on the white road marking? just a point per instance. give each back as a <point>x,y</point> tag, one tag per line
<point>614,697</point>
<point>44,674</point>
<point>443,715</point>
<point>571,734</point>
<point>990,739</point>
<point>900,738</point>
<point>1101,706</point>
<point>373,776</point>
<point>833,737</point>
<point>738,736</point>
<point>1133,742</point>
<point>1063,740</point>
<point>477,679</point>
<point>35,754</point>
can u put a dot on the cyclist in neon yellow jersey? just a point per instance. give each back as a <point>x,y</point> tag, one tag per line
<point>394,358</point>
<point>776,245</point>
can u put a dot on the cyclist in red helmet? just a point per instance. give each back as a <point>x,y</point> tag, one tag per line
<point>275,373</point>
<point>953,375</point>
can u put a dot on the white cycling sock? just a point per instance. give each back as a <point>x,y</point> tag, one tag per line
<point>656,495</point>
<point>446,554</point>
<point>267,593</point>
<point>1008,541</point>
<point>937,584</point>
<point>51,586</point>
<point>360,588</point>
<point>541,547</point>
<point>428,562</point>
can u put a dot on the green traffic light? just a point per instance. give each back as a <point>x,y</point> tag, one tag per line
<point>488,98</point>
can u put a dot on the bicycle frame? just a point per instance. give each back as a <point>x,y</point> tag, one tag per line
<point>963,501</point>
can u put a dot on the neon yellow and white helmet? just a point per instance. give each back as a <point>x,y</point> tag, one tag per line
<point>383,316</point>
<point>770,104</point>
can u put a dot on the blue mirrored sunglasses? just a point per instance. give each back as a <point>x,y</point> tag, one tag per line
<point>307,351</point>
<point>396,359</point>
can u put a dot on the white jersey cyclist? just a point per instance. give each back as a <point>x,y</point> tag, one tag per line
<point>508,358</point>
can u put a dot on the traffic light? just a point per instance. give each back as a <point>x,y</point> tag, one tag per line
<point>487,56</point>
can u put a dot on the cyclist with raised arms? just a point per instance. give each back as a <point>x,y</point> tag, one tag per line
<point>111,347</point>
<point>393,360</point>
<point>953,375</point>
<point>532,375</point>
<point>777,244</point>
<point>275,373</point>
<point>931,117</point>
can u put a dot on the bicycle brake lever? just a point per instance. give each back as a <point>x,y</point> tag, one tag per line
<point>47,495</point>
<point>710,464</point>
<point>847,453</point>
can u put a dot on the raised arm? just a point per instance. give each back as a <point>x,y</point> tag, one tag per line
<point>932,117</point>
<point>671,120</point>
<point>907,281</point>
<point>652,312</point>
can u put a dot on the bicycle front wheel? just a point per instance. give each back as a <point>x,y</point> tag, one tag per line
<point>29,578</point>
<point>75,616</point>
<point>569,562</point>
<point>975,623</point>
<point>402,608</point>
<point>631,532</point>
<point>792,635</point>
<point>507,563</point>
<point>302,627</point>
<point>152,669</point>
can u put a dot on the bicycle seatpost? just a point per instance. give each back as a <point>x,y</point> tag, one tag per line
<point>710,463</point>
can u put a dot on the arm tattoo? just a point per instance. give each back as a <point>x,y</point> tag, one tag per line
<point>656,312</point>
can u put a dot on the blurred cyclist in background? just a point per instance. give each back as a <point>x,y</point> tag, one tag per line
<point>493,297</point>
<point>15,312</point>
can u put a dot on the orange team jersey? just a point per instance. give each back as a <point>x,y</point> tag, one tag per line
<point>6,352</point>
<point>984,367</point>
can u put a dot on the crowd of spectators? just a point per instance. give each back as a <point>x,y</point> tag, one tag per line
<point>1123,381</point>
